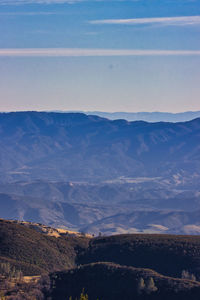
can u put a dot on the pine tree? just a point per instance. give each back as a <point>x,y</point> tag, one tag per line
<point>150,286</point>
<point>83,296</point>
<point>141,285</point>
<point>187,275</point>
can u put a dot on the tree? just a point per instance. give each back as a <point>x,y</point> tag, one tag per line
<point>141,285</point>
<point>5,269</point>
<point>186,275</point>
<point>83,296</point>
<point>2,297</point>
<point>150,286</point>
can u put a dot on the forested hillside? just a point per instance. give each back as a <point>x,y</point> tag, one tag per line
<point>109,268</point>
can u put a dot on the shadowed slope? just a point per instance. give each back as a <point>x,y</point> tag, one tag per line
<point>166,254</point>
<point>35,253</point>
<point>107,281</point>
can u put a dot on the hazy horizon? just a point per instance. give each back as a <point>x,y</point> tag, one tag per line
<point>101,111</point>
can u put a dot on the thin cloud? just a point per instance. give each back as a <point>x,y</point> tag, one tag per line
<point>79,52</point>
<point>30,13</point>
<point>175,21</point>
<point>21,2</point>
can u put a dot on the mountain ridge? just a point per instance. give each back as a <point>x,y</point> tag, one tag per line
<point>73,143</point>
<point>83,171</point>
<point>154,116</point>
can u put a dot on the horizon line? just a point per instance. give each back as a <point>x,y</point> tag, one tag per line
<point>100,111</point>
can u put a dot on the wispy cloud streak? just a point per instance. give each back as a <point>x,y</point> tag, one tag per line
<point>175,21</point>
<point>18,2</point>
<point>28,13</point>
<point>77,52</point>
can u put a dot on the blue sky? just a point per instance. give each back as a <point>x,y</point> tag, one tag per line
<point>141,55</point>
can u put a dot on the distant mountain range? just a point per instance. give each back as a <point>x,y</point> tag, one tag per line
<point>97,175</point>
<point>77,147</point>
<point>146,116</point>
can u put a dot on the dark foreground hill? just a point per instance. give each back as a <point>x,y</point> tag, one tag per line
<point>34,250</point>
<point>107,281</point>
<point>108,268</point>
<point>35,253</point>
<point>166,254</point>
<point>56,146</point>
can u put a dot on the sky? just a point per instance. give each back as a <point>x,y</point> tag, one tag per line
<point>112,55</point>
